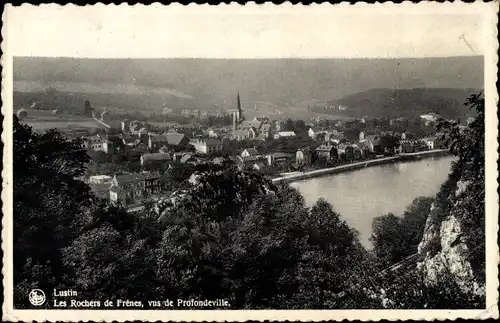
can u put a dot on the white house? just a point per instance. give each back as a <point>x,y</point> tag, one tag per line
<point>431,142</point>
<point>312,132</point>
<point>249,152</point>
<point>430,117</point>
<point>207,146</point>
<point>284,134</point>
<point>100,179</point>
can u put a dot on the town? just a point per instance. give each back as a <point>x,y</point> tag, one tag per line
<point>139,161</point>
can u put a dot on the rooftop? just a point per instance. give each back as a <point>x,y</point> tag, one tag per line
<point>99,187</point>
<point>252,151</point>
<point>130,178</point>
<point>155,157</point>
<point>325,147</point>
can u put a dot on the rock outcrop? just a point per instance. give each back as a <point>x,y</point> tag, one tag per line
<point>446,246</point>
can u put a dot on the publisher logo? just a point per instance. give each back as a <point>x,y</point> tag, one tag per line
<point>36,297</point>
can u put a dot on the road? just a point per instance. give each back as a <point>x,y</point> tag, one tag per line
<point>327,171</point>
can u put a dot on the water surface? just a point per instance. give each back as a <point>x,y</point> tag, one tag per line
<point>361,195</point>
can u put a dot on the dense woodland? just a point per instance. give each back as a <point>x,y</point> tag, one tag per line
<point>235,235</point>
<point>394,103</point>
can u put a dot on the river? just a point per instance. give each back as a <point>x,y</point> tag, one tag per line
<point>361,195</point>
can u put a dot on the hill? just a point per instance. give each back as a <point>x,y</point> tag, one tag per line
<point>400,102</point>
<point>265,85</point>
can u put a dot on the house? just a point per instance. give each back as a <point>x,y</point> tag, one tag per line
<point>177,141</point>
<point>223,161</point>
<point>470,120</point>
<point>215,133</point>
<point>249,152</point>
<point>188,159</point>
<point>93,143</point>
<point>155,160</point>
<point>100,179</point>
<point>406,146</point>
<point>108,147</point>
<point>345,151</point>
<point>207,146</point>
<point>174,140</point>
<point>338,138</point>
<point>303,156</point>
<point>279,159</point>
<point>156,142</point>
<point>327,152</point>
<point>365,151</point>
<point>391,133</point>
<point>357,151</point>
<point>254,123</point>
<point>266,130</point>
<point>245,163</point>
<point>432,142</point>
<point>260,166</point>
<point>374,143</point>
<point>164,150</point>
<point>400,122</point>
<point>115,144</point>
<point>100,190</point>
<point>430,117</point>
<point>313,132</point>
<point>245,133</point>
<point>140,148</point>
<point>129,140</point>
<point>284,134</point>
<point>133,188</point>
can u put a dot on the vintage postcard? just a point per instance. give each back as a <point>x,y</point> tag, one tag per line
<point>256,162</point>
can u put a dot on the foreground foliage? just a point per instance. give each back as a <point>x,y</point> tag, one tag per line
<point>230,235</point>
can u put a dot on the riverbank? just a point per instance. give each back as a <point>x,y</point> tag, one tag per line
<point>368,163</point>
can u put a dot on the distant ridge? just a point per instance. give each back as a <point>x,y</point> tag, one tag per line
<point>281,82</point>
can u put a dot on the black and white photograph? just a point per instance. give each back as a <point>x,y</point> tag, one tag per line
<point>162,160</point>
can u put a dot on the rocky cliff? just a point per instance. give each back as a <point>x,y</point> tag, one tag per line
<point>453,243</point>
<point>446,245</point>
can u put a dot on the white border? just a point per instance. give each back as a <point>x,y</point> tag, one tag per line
<point>489,10</point>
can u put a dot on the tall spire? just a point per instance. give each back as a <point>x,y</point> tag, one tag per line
<point>240,111</point>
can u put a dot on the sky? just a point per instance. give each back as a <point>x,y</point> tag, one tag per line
<point>244,32</point>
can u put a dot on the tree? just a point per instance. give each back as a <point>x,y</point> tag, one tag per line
<point>87,110</point>
<point>300,126</point>
<point>289,125</point>
<point>389,143</point>
<point>413,223</point>
<point>113,257</point>
<point>48,203</point>
<point>395,238</point>
<point>230,235</point>
<point>387,239</point>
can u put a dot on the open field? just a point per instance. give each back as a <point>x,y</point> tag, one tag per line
<point>42,120</point>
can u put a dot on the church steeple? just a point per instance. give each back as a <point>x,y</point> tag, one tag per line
<point>240,111</point>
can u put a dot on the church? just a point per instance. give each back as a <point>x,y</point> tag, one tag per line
<point>259,128</point>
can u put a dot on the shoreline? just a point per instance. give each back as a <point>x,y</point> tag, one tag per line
<point>362,164</point>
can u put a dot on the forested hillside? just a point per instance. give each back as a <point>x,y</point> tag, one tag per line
<point>403,102</point>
